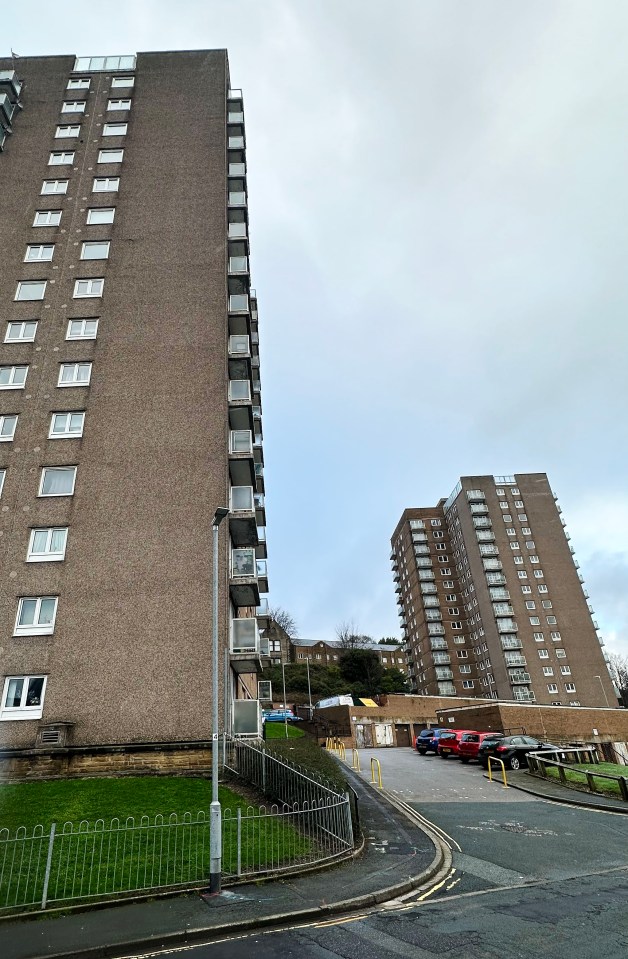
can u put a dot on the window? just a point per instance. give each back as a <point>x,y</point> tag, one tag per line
<point>122,82</point>
<point>530,604</point>
<point>66,426</point>
<point>565,670</point>
<point>74,374</point>
<point>54,186</point>
<point>23,697</point>
<point>59,159</point>
<point>467,684</point>
<point>35,616</point>
<point>551,620</point>
<point>103,214</point>
<point>555,635</point>
<point>535,621</point>
<point>446,571</point>
<point>438,534</point>
<point>453,611</point>
<point>82,330</point>
<point>570,687</point>
<point>538,637</point>
<point>79,83</point>
<point>542,588</point>
<point>464,668</point>
<point>3,474</point>
<point>47,218</point>
<point>526,589</point>
<point>119,104</point>
<point>547,604</point>
<point>530,544</point>
<point>36,252</point>
<point>66,131</point>
<point>104,63</point>
<point>92,287</point>
<point>514,545</point>
<point>73,106</point>
<point>21,332</point>
<point>538,574</point>
<point>522,574</point>
<point>435,522</point>
<point>543,654</point>
<point>30,290</point>
<point>110,156</point>
<point>534,559</point>
<point>456,625</point>
<point>106,184</point>
<point>560,653</point>
<point>462,653</point>
<point>552,688</point>
<point>95,250</point>
<point>574,702</point>
<point>13,377</point>
<point>47,544</point>
<point>7,428</point>
<point>114,129</point>
<point>507,518</point>
<point>441,546</point>
<point>57,481</point>
<point>450,598</point>
<point>503,504</point>
<point>518,504</point>
<point>511,531</point>
<point>548,671</point>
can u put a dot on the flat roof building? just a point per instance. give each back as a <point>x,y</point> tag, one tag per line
<point>130,400</point>
<point>491,598</point>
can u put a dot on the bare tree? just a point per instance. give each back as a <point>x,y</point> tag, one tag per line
<point>618,668</point>
<point>284,620</point>
<point>348,637</point>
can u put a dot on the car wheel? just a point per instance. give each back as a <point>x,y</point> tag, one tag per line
<point>464,759</point>
<point>422,752</point>
<point>515,763</point>
<point>444,756</point>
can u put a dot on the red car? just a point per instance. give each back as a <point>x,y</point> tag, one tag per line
<point>469,745</point>
<point>449,742</point>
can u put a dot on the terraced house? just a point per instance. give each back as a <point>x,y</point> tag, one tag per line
<point>491,598</point>
<point>130,404</point>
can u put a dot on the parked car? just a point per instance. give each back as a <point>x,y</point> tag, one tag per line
<point>449,742</point>
<point>470,743</point>
<point>511,749</point>
<point>427,740</point>
<point>280,716</point>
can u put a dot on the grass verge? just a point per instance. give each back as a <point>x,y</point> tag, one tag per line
<point>606,787</point>
<point>306,751</point>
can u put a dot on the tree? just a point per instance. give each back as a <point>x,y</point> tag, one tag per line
<point>284,620</point>
<point>393,681</point>
<point>618,668</point>
<point>362,671</point>
<point>390,641</point>
<point>348,637</point>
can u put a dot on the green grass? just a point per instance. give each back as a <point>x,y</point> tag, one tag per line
<point>607,787</point>
<point>308,753</point>
<point>95,862</point>
<point>278,731</point>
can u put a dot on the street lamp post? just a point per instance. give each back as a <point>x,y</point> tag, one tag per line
<point>285,705</point>
<point>603,690</point>
<point>215,824</point>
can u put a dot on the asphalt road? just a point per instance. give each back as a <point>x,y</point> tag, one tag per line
<point>530,879</point>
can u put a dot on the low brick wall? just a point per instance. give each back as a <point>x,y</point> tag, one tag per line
<point>133,759</point>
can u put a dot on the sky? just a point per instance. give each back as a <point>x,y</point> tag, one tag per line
<point>438,206</point>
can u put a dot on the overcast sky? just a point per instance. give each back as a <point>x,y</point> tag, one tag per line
<point>438,202</point>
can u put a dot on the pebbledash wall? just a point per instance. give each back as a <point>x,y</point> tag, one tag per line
<point>126,659</point>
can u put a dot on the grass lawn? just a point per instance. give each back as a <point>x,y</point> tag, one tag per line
<point>278,731</point>
<point>306,751</point>
<point>605,786</point>
<point>93,861</point>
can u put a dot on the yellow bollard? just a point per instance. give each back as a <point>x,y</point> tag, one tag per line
<point>343,751</point>
<point>378,781</point>
<point>355,760</point>
<point>502,764</point>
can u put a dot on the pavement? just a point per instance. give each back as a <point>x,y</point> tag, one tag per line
<point>398,857</point>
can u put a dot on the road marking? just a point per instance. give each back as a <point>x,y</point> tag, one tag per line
<point>439,885</point>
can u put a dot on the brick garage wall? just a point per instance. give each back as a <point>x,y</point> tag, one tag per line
<point>544,722</point>
<point>119,761</point>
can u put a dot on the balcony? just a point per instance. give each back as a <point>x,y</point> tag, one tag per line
<point>485,536</point>
<point>435,629</point>
<point>441,659</point>
<point>7,109</point>
<point>236,168</point>
<point>260,509</point>
<point>506,626</point>
<point>262,612</point>
<point>523,696</point>
<point>515,659</point>
<point>425,574</point>
<point>438,644</point>
<point>238,264</point>
<point>511,642</point>
<point>422,550</point>
<point>423,563</point>
<point>482,522</point>
<point>475,496</point>
<point>244,585</point>
<point>492,564</point>
<point>239,303</point>
<point>237,229</point>
<point>499,594</point>
<point>502,609</point>
<point>495,579</point>
<point>432,601</point>
<point>239,345</point>
<point>236,142</point>
<point>245,649</point>
<point>442,673</point>
<point>489,551</point>
<point>428,588</point>
<point>517,676</point>
<point>10,84</point>
<point>239,391</point>
<point>237,198</point>
<point>235,117</point>
<point>446,689</point>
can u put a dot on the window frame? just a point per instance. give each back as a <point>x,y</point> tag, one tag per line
<point>103,179</point>
<point>8,713</point>
<point>42,247</point>
<point>46,469</point>
<point>48,556</point>
<point>44,226</point>
<point>81,319</point>
<point>125,100</point>
<point>77,365</point>
<point>11,384</point>
<point>35,630</point>
<point>57,182</point>
<point>21,324</point>
<point>112,150</point>
<point>100,209</point>
<point>90,295</point>
<point>122,83</point>
<point>33,299</point>
<point>73,106</point>
<point>61,153</point>
<point>67,435</point>
<point>90,243</point>
<point>79,83</point>
<point>61,133</point>
<point>108,132</point>
<point>8,416</point>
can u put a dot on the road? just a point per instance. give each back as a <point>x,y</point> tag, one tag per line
<point>530,879</point>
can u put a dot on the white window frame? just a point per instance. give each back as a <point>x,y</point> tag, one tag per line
<point>73,106</point>
<point>82,336</point>
<point>100,209</point>
<point>122,82</point>
<point>102,158</point>
<point>67,157</point>
<point>46,469</point>
<point>114,103</point>
<point>79,83</point>
<point>60,187</point>
<point>109,131</point>
<point>67,131</point>
<point>76,367</point>
<point>107,180</point>
<point>548,670</point>
<point>12,385</point>
<point>3,476</point>
<point>90,285</point>
<point>552,688</point>
<point>565,670</point>
<point>8,438</point>
<point>22,711</point>
<point>570,687</point>
<point>67,434</point>
<point>561,653</point>
<point>21,324</point>
<point>43,248</point>
<point>33,299</point>
<point>47,556</point>
<point>92,243</point>
<point>49,214</point>
<point>46,629</point>
<point>543,654</point>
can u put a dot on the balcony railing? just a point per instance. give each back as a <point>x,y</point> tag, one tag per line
<point>442,673</point>
<point>475,495</point>
<point>446,689</point>
<point>235,117</point>
<point>502,609</point>
<point>506,626</point>
<point>519,677</point>
<point>441,659</point>
<point>9,81</point>
<point>241,441</point>
<point>238,264</point>
<point>237,198</point>
<point>515,659</point>
<point>93,64</point>
<point>511,642</point>
<point>239,390</point>
<point>438,644</point>
<point>237,169</point>
<point>239,344</point>
<point>242,500</point>
<point>244,636</point>
<point>523,695</point>
<point>239,303</point>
